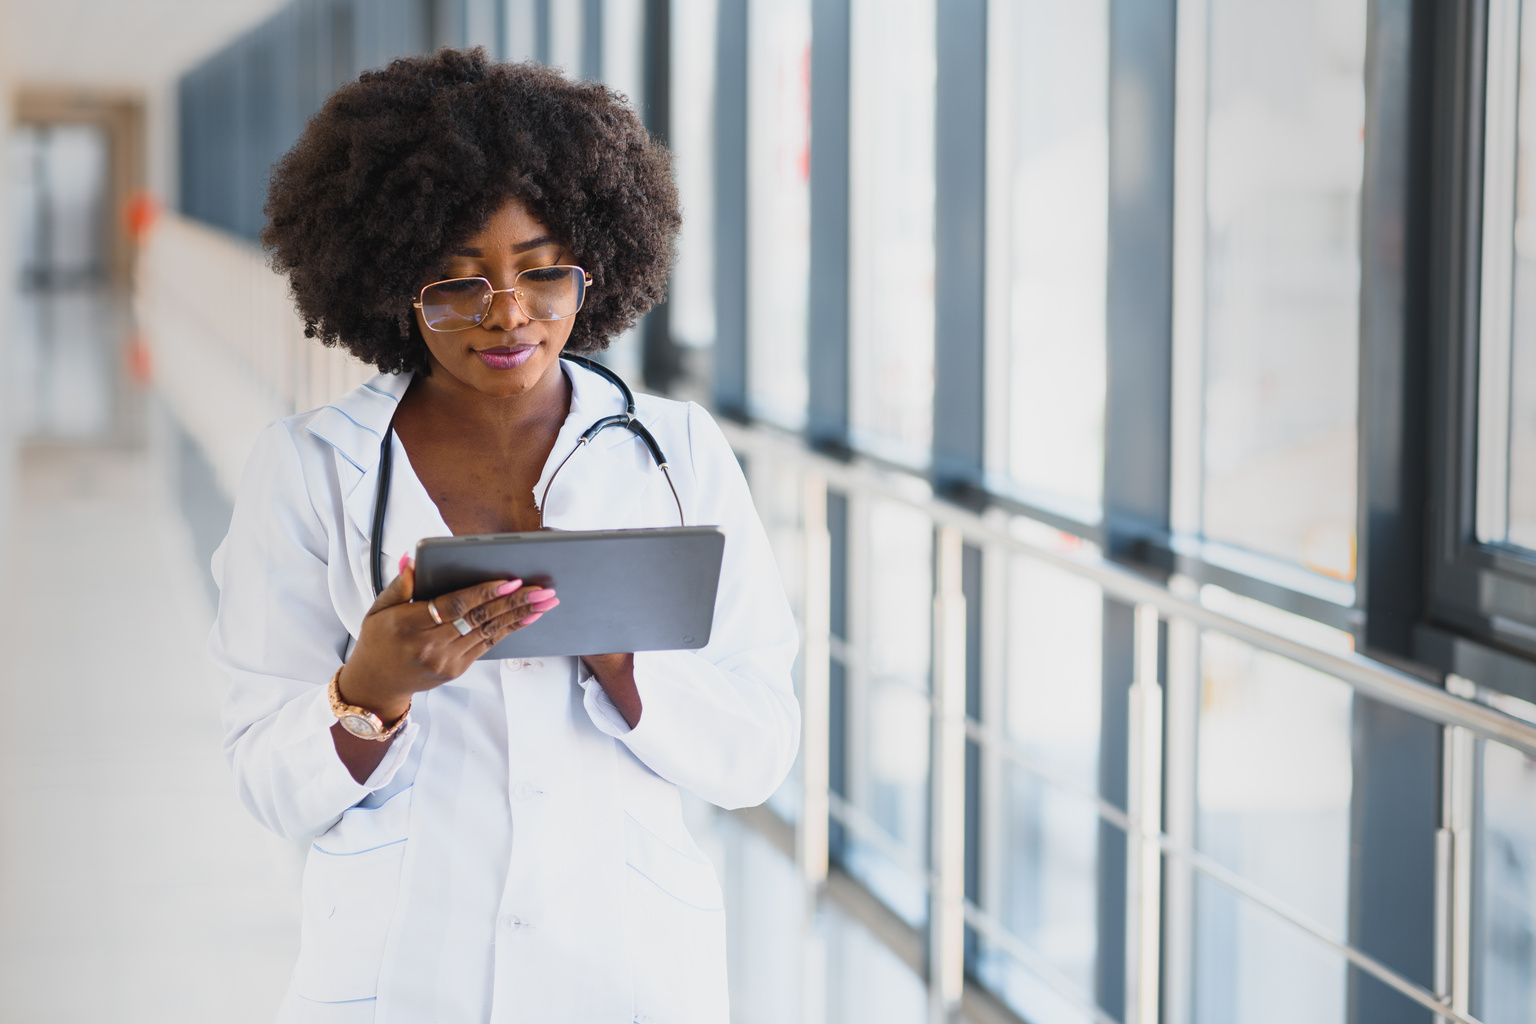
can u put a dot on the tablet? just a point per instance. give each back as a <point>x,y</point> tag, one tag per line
<point>619,590</point>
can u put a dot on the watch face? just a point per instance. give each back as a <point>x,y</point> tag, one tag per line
<point>359,726</point>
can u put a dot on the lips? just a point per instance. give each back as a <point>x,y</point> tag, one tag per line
<point>505,357</point>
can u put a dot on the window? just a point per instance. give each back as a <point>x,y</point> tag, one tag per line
<point>778,208</point>
<point>1056,92</point>
<point>890,597</point>
<point>1506,436</point>
<point>891,246</point>
<point>1041,867</point>
<point>1284,161</point>
<point>692,296</point>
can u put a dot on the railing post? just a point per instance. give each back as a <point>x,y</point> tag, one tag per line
<point>816,685</point>
<point>1453,860</point>
<point>946,907</point>
<point>1145,809</point>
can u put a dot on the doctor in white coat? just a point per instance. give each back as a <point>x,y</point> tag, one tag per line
<point>501,840</point>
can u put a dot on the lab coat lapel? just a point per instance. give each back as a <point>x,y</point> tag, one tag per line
<point>354,426</point>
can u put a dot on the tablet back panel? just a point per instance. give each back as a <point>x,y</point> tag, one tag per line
<point>619,590</point>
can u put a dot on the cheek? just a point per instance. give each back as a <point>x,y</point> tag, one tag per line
<point>436,343</point>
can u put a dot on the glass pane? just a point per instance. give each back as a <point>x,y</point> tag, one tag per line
<point>778,207</point>
<point>1507,431</point>
<point>691,300</point>
<point>1258,969</point>
<point>866,982</point>
<point>1059,236</point>
<point>783,961</point>
<point>1048,899</point>
<point>776,493</point>
<point>1041,883</point>
<point>1054,654</point>
<point>1504,989</point>
<point>1285,158</point>
<point>891,159</point>
<point>1274,782</point>
<point>889,722</point>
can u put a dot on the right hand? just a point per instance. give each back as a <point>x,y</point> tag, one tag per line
<point>401,651</point>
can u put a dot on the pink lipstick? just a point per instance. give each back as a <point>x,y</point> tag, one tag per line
<point>505,357</point>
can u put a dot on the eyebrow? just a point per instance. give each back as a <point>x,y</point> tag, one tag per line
<point>520,247</point>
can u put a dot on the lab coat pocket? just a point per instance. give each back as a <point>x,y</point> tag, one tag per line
<point>351,886</point>
<point>675,931</point>
<point>685,875</point>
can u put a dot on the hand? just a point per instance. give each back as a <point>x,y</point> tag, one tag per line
<point>401,651</point>
<point>616,675</point>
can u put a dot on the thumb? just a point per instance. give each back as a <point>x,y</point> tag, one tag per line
<point>401,588</point>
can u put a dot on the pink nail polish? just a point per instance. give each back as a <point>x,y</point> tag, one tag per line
<point>542,594</point>
<point>532,618</point>
<point>403,560</point>
<point>543,606</point>
<point>507,587</point>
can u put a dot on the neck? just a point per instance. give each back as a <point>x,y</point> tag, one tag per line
<point>473,413</point>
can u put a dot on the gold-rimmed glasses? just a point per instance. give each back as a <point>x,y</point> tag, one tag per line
<point>542,293</point>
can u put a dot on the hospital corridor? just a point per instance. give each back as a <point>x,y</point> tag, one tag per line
<point>1138,401</point>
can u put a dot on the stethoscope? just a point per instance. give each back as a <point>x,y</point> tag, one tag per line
<point>618,419</point>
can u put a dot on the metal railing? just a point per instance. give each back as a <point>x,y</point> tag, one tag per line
<point>221,324</point>
<point>1147,843</point>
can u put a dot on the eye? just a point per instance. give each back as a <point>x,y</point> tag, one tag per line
<point>546,275</point>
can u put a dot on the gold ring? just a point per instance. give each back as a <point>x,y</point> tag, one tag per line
<point>432,611</point>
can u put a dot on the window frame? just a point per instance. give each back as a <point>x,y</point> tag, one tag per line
<point>1479,617</point>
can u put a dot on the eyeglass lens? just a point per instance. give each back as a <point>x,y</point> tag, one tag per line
<point>543,293</point>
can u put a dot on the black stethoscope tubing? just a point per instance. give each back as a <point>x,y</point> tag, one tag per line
<point>622,419</point>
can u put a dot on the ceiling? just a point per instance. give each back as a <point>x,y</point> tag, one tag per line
<point>118,44</point>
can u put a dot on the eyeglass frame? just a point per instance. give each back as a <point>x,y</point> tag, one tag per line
<point>586,283</point>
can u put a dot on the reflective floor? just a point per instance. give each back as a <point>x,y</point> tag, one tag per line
<point>133,887</point>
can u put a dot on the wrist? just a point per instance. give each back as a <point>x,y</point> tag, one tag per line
<point>390,709</point>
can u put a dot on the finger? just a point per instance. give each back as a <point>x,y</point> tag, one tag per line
<point>460,603</point>
<point>400,588</point>
<point>474,617</point>
<point>492,631</point>
<point>520,602</point>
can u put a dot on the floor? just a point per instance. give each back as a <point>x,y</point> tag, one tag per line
<point>133,887</point>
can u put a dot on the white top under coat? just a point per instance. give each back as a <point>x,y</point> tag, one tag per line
<point>520,854</point>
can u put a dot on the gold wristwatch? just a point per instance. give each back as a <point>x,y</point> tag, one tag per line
<point>360,722</point>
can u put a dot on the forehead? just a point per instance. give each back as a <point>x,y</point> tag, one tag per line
<point>510,225</point>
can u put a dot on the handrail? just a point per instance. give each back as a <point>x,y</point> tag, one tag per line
<point>1370,677</point>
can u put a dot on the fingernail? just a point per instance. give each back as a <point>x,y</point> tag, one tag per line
<point>542,594</point>
<point>532,618</point>
<point>507,587</point>
<point>403,560</point>
<point>543,606</point>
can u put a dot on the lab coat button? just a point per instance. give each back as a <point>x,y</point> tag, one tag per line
<point>512,922</point>
<point>524,791</point>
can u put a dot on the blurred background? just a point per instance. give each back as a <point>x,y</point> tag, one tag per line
<point>1134,392</point>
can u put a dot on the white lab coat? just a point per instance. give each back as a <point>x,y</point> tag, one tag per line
<point>520,854</point>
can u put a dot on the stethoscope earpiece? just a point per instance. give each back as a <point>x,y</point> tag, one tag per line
<point>625,419</point>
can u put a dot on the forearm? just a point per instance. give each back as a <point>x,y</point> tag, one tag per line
<point>615,673</point>
<point>360,756</point>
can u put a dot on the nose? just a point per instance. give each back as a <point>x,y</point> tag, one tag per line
<point>505,314</point>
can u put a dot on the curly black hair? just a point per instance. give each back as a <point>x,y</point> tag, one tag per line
<point>401,167</point>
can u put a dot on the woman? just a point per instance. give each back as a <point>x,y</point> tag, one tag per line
<point>511,847</point>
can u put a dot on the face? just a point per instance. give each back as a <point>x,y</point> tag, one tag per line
<point>507,354</point>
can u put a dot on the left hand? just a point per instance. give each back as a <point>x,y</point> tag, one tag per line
<point>616,675</point>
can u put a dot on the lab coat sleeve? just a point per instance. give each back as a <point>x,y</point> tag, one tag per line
<point>278,637</point>
<point>722,721</point>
